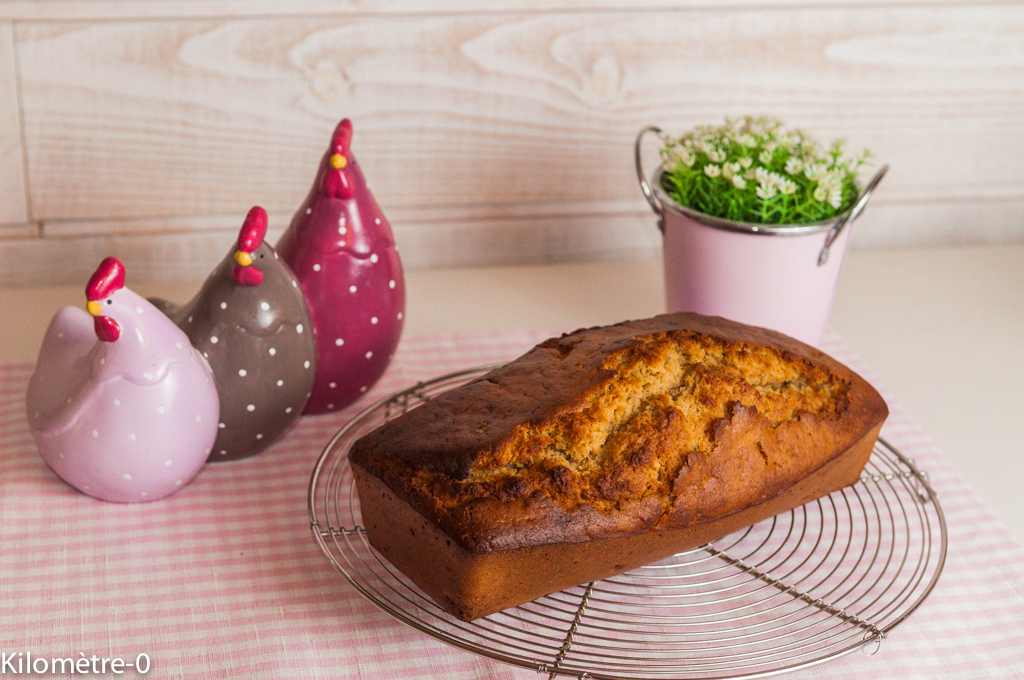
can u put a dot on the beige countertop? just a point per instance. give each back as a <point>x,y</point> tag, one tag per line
<point>942,329</point>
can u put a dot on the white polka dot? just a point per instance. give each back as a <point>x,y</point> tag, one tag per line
<point>242,372</point>
<point>61,456</point>
<point>213,339</point>
<point>127,476</point>
<point>305,364</point>
<point>363,388</point>
<point>298,328</point>
<point>376,220</point>
<point>178,345</point>
<point>309,211</point>
<point>168,462</point>
<point>221,425</point>
<point>131,437</point>
<point>190,319</point>
<point>259,436</point>
<point>139,310</point>
<point>295,284</point>
<point>339,342</point>
<point>342,230</point>
<point>373,319</point>
<point>391,283</point>
<point>369,355</point>
<point>351,289</point>
<point>272,351</point>
<point>199,419</point>
<point>333,385</point>
<point>117,402</point>
<point>147,376</point>
<point>95,433</point>
<point>223,305</point>
<point>160,409</point>
<point>330,407</point>
<point>144,494</point>
<point>250,408</point>
<point>399,316</point>
<point>374,258</point>
<point>276,256</point>
<point>288,410</point>
<point>177,482</point>
<point>316,267</point>
<point>280,382</point>
<point>223,452</point>
<point>265,306</point>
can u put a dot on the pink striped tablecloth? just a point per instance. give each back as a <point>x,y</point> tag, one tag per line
<point>224,578</point>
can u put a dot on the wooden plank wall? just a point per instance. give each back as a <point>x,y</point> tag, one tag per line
<point>495,135</point>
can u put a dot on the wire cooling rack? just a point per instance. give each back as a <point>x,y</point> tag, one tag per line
<point>807,586</point>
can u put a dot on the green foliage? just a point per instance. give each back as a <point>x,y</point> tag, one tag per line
<point>753,170</point>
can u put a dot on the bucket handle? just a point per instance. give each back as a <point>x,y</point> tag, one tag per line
<point>854,213</point>
<point>644,186</point>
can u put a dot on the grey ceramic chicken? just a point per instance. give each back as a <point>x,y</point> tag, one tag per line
<point>251,322</point>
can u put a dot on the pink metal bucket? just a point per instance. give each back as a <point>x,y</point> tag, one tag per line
<point>782,277</point>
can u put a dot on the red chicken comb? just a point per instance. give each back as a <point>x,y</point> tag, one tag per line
<point>336,182</point>
<point>253,230</point>
<point>342,137</point>
<point>109,277</point>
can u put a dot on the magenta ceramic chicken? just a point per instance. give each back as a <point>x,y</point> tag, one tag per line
<point>251,322</point>
<point>340,246</point>
<point>120,404</point>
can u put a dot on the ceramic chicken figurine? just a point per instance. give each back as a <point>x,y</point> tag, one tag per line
<point>120,404</point>
<point>340,246</point>
<point>251,322</point>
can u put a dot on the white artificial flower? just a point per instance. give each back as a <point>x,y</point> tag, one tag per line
<point>730,169</point>
<point>820,193</point>
<point>835,197</point>
<point>794,166</point>
<point>746,161</point>
<point>739,182</point>
<point>765,156</point>
<point>712,170</point>
<point>786,186</point>
<point>765,191</point>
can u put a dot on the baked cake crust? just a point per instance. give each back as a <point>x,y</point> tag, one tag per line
<point>606,449</point>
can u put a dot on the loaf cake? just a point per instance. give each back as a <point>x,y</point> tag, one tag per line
<point>606,449</point>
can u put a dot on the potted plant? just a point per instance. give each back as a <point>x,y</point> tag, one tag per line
<point>750,212</point>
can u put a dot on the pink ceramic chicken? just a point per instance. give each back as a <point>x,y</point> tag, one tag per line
<point>251,322</point>
<point>120,404</point>
<point>340,247</point>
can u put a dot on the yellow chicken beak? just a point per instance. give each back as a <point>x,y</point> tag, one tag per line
<point>338,161</point>
<point>243,258</point>
<point>94,307</point>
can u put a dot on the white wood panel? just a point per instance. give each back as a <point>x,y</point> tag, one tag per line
<point>168,118</point>
<point>12,160</point>
<point>495,135</point>
<point>73,10</point>
<point>189,253</point>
